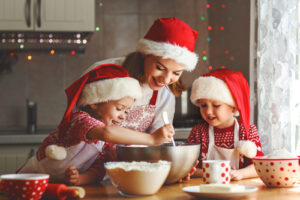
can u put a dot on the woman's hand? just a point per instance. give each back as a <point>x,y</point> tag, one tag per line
<point>163,134</point>
<point>188,176</point>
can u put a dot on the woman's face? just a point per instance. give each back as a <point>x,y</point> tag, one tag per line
<point>161,72</point>
<point>114,112</point>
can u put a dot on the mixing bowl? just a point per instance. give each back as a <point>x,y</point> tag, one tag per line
<point>182,156</point>
<point>24,186</point>
<point>138,178</point>
<point>277,172</point>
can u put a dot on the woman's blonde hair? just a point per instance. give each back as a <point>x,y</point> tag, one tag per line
<point>134,64</point>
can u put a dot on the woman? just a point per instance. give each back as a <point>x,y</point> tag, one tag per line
<point>158,63</point>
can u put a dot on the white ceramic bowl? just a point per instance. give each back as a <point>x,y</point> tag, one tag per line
<point>277,172</point>
<point>24,186</point>
<point>138,178</point>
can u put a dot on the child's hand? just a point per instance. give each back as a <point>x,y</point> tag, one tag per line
<point>163,134</point>
<point>72,176</point>
<point>188,176</point>
<point>236,175</point>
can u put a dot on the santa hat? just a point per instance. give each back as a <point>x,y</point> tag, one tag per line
<point>171,38</point>
<point>232,88</point>
<point>103,83</point>
<point>226,86</point>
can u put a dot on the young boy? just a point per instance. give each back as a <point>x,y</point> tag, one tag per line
<point>221,94</point>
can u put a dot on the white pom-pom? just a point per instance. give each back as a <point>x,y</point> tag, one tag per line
<point>247,148</point>
<point>55,152</point>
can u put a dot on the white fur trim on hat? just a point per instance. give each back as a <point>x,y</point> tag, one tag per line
<point>247,148</point>
<point>209,87</point>
<point>109,89</point>
<point>167,50</point>
<point>56,152</point>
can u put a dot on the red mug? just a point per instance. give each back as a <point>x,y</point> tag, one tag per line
<point>24,186</point>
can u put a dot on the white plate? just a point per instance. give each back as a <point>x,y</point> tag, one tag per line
<point>195,191</point>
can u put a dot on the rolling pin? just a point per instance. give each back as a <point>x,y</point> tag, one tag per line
<point>62,192</point>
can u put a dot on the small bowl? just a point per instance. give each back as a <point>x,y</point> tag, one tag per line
<point>24,186</point>
<point>183,156</point>
<point>277,172</point>
<point>138,178</point>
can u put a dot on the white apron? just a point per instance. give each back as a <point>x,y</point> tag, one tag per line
<point>81,156</point>
<point>218,153</point>
<point>140,118</point>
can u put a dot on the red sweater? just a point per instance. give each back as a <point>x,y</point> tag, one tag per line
<point>223,138</point>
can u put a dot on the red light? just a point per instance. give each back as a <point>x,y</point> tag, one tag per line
<point>73,52</point>
<point>210,67</point>
<point>222,28</point>
<point>223,6</point>
<point>207,5</point>
<point>223,67</point>
<point>209,28</point>
<point>226,52</point>
<point>204,52</point>
<point>11,53</point>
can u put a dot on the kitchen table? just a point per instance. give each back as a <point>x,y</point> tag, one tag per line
<point>174,191</point>
<point>106,190</point>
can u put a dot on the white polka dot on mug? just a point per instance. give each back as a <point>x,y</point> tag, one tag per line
<point>216,171</point>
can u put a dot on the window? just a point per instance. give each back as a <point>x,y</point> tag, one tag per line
<point>278,75</point>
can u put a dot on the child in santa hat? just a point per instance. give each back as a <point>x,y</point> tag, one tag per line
<point>103,97</point>
<point>221,95</point>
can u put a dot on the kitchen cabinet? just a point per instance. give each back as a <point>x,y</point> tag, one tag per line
<point>47,15</point>
<point>12,157</point>
<point>181,134</point>
<point>16,148</point>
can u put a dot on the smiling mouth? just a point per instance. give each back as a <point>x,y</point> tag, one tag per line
<point>116,123</point>
<point>211,118</point>
<point>158,83</point>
